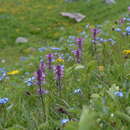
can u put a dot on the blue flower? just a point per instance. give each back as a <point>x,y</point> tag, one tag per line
<point>54,48</point>
<point>3,100</point>
<point>29,82</point>
<point>110,40</point>
<point>128,19</point>
<point>128,29</point>
<point>2,74</point>
<point>118,30</point>
<point>41,49</point>
<point>64,121</point>
<point>82,33</point>
<point>118,93</point>
<point>101,40</point>
<point>71,44</point>
<point>22,58</point>
<point>77,91</point>
<point>72,37</point>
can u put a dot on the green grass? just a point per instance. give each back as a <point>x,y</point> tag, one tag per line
<point>41,23</point>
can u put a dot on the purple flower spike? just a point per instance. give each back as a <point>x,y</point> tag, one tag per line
<point>77,54</point>
<point>79,42</point>
<point>49,57</point>
<point>95,31</point>
<point>42,66</point>
<point>59,72</point>
<point>42,91</point>
<point>40,77</point>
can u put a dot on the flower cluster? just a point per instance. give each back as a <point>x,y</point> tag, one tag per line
<point>77,54</point>
<point>59,72</point>
<point>3,100</point>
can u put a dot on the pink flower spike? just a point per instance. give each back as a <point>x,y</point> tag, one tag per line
<point>129,8</point>
<point>79,42</point>
<point>95,31</point>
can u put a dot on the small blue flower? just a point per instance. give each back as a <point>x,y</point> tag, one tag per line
<point>110,40</point>
<point>22,58</point>
<point>41,49</point>
<point>26,73</point>
<point>118,93</point>
<point>54,48</point>
<point>72,37</point>
<point>77,91</point>
<point>29,82</point>
<point>82,33</point>
<point>3,100</point>
<point>128,19</point>
<point>64,121</point>
<point>101,40</point>
<point>2,74</point>
<point>71,44</point>
<point>128,29</point>
<point>118,30</point>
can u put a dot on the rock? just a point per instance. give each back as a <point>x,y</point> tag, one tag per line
<point>78,17</point>
<point>21,40</point>
<point>3,61</point>
<point>110,1</point>
<point>70,0</point>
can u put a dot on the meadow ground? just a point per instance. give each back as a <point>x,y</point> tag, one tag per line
<point>94,86</point>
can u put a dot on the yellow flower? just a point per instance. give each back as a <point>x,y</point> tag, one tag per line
<point>13,72</point>
<point>101,68</point>
<point>60,60</point>
<point>126,52</point>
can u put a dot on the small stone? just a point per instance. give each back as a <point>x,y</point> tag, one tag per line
<point>21,40</point>
<point>110,1</point>
<point>3,61</point>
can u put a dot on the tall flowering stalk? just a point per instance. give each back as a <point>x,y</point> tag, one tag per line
<point>129,10</point>
<point>42,66</point>
<point>40,76</point>
<point>59,73</point>
<point>79,42</point>
<point>77,54</point>
<point>121,20</point>
<point>95,31</point>
<point>49,62</point>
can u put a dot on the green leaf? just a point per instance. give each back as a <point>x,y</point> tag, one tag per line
<point>123,116</point>
<point>91,66</point>
<point>72,125</point>
<point>88,120</point>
